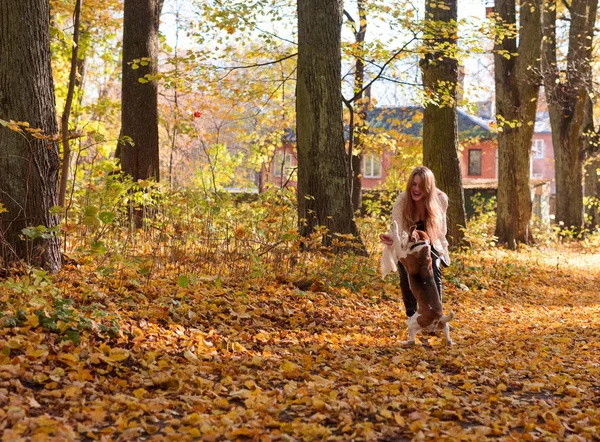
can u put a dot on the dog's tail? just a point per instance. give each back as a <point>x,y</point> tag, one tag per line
<point>447,318</point>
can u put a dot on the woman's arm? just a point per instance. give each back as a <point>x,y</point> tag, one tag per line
<point>444,255</point>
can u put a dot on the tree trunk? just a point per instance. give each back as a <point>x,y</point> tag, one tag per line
<point>517,88</point>
<point>29,166</point>
<point>567,96</point>
<point>592,193</point>
<point>66,160</point>
<point>440,121</point>
<point>139,100</point>
<point>357,180</point>
<point>323,194</point>
<point>361,104</point>
<point>591,168</point>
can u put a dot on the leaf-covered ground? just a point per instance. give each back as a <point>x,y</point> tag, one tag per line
<point>85,357</point>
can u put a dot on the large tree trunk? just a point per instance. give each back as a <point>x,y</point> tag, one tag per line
<point>567,96</point>
<point>139,111</point>
<point>517,88</point>
<point>323,191</point>
<point>440,121</point>
<point>28,166</point>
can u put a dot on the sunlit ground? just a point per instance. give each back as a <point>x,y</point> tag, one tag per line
<point>261,359</point>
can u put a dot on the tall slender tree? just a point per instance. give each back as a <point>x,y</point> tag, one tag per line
<point>323,191</point>
<point>517,51</point>
<point>567,93</point>
<point>358,107</point>
<point>440,122</point>
<point>29,165</point>
<point>591,167</point>
<point>139,97</point>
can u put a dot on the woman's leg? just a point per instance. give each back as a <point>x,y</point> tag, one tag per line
<point>437,272</point>
<point>410,302</point>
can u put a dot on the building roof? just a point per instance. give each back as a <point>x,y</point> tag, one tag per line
<point>408,120</point>
<point>492,183</point>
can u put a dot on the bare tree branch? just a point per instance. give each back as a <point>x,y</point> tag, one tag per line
<point>230,69</point>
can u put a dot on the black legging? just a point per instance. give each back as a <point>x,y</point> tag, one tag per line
<point>410,303</point>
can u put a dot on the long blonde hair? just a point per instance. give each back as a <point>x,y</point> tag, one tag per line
<point>434,212</point>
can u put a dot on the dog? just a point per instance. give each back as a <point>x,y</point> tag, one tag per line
<point>416,259</point>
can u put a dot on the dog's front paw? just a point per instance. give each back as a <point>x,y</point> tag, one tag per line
<point>450,342</point>
<point>407,343</point>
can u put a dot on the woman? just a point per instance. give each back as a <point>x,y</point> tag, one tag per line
<point>422,205</point>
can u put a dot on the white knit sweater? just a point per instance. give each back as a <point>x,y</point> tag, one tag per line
<point>399,231</point>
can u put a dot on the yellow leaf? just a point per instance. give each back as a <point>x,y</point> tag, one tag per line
<point>262,337</point>
<point>68,358</point>
<point>244,431</point>
<point>399,419</point>
<point>139,393</point>
<point>97,414</point>
<point>288,367</point>
<point>33,353</point>
<point>72,391</point>
<point>14,343</point>
<point>33,320</point>
<point>237,347</point>
<point>386,413</point>
<point>118,355</point>
<point>317,403</point>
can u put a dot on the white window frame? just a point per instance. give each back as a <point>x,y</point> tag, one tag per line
<point>537,149</point>
<point>287,167</point>
<point>480,162</point>
<point>369,162</point>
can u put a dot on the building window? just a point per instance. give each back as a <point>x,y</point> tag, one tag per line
<point>288,166</point>
<point>538,148</point>
<point>475,162</point>
<point>372,165</point>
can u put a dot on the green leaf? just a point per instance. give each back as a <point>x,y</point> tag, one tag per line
<point>73,336</point>
<point>183,281</point>
<point>57,210</point>
<point>106,217</point>
<point>97,248</point>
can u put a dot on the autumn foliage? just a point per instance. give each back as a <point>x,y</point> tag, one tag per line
<point>147,338</point>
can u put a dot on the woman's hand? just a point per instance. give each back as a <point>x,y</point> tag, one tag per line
<point>386,239</point>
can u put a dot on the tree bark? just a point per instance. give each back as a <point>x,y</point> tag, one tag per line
<point>360,105</point>
<point>440,122</point>
<point>567,94</point>
<point>517,87</point>
<point>139,100</point>
<point>323,191</point>
<point>592,192</point>
<point>29,166</point>
<point>591,168</point>
<point>66,160</point>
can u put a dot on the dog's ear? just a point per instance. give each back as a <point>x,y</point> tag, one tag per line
<point>413,234</point>
<point>422,235</point>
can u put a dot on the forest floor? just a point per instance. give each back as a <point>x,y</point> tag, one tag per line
<point>86,357</point>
